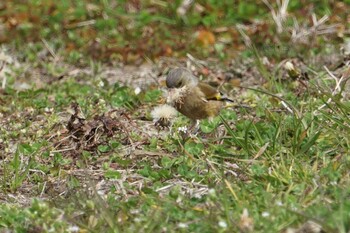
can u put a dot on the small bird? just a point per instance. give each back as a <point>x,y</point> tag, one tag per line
<point>194,99</point>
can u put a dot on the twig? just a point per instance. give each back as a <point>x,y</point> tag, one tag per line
<point>4,78</point>
<point>81,24</point>
<point>336,90</point>
<point>43,189</point>
<point>53,54</point>
<point>197,62</point>
<point>164,187</point>
<point>63,150</point>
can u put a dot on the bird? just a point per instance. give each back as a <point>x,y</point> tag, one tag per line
<point>195,99</point>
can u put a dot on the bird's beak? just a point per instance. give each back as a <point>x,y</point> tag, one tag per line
<point>172,91</point>
<point>174,95</point>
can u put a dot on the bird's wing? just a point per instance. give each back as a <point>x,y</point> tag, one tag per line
<point>211,93</point>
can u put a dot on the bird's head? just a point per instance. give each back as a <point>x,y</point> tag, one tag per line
<point>180,77</point>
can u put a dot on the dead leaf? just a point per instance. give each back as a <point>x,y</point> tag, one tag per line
<point>205,37</point>
<point>235,82</point>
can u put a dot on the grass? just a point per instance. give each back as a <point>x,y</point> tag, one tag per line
<point>130,31</point>
<point>80,151</point>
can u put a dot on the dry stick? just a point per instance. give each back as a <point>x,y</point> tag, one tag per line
<point>5,78</point>
<point>81,24</point>
<point>197,62</point>
<point>213,168</point>
<point>164,187</point>
<point>63,150</point>
<point>334,92</point>
<point>53,54</point>
<point>65,138</point>
<point>43,189</point>
<point>184,150</point>
<point>285,104</point>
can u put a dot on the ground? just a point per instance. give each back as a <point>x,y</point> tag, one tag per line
<point>81,152</point>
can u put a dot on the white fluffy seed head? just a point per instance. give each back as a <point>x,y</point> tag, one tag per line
<point>163,112</point>
<point>289,66</point>
<point>137,90</point>
<point>176,95</point>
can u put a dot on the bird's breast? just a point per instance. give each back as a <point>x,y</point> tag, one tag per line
<point>195,106</point>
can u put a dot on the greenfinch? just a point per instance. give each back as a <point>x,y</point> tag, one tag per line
<point>194,99</point>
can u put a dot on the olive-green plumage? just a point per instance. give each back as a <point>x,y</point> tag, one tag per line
<point>196,100</point>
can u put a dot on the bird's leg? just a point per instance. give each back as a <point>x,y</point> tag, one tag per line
<point>195,127</point>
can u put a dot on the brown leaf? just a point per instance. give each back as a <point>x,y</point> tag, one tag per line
<point>205,37</point>
<point>235,82</point>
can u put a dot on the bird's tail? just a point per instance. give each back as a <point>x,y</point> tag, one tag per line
<point>226,99</point>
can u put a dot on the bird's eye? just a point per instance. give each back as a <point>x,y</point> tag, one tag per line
<point>179,84</point>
